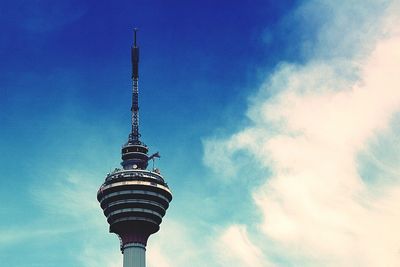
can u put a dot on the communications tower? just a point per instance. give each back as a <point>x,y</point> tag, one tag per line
<point>134,199</point>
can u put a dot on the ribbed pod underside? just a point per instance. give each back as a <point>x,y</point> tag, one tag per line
<point>134,202</point>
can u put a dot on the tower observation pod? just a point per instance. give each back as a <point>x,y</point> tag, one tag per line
<point>134,199</point>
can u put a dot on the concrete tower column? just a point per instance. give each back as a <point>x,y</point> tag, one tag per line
<point>134,255</point>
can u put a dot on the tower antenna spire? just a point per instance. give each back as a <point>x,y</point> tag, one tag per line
<point>134,135</point>
<point>134,199</point>
<point>134,35</point>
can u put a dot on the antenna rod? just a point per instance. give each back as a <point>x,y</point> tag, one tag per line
<point>134,38</point>
<point>134,136</point>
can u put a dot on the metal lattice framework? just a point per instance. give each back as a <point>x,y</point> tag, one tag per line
<point>134,136</point>
<point>135,112</point>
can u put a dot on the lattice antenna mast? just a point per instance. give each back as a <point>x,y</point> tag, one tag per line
<point>134,135</point>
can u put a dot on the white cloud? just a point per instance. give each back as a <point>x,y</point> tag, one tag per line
<point>175,245</point>
<point>94,254</point>
<point>72,195</point>
<point>235,248</point>
<point>316,206</point>
<point>13,236</point>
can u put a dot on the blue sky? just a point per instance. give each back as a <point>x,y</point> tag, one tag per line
<point>277,123</point>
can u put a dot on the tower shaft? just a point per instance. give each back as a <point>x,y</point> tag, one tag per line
<point>134,255</point>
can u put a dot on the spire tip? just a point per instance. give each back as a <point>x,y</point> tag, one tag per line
<point>134,35</point>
